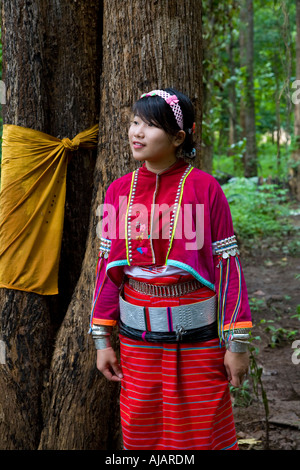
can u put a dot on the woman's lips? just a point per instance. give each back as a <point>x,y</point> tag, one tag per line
<point>137,145</point>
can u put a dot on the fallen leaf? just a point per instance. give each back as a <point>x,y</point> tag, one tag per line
<point>259,292</point>
<point>268,263</point>
<point>250,441</point>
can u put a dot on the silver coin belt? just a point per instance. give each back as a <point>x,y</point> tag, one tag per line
<point>173,290</point>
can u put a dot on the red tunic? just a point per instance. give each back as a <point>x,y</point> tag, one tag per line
<point>199,239</point>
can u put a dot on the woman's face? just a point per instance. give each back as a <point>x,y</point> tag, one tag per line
<point>148,142</point>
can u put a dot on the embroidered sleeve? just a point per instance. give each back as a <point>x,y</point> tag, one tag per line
<point>105,307</point>
<point>233,305</point>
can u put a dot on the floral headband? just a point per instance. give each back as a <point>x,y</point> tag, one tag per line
<point>172,100</point>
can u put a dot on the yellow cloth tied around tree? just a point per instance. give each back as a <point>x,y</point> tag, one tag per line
<point>32,203</point>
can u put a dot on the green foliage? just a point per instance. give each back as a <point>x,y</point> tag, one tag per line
<point>241,395</point>
<point>258,387</point>
<point>224,164</point>
<point>279,335</point>
<point>256,304</point>
<point>297,314</point>
<point>257,210</point>
<point>292,248</point>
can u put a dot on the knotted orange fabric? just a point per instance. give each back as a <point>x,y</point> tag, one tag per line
<point>32,202</point>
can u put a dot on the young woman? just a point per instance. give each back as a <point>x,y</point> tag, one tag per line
<point>169,275</point>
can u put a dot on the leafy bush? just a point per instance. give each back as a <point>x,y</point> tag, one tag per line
<point>258,211</point>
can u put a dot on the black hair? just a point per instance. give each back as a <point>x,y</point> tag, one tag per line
<point>154,110</point>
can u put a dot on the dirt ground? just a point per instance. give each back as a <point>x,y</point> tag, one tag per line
<point>274,293</point>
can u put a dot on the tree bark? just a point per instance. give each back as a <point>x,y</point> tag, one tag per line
<point>145,45</point>
<point>51,79</point>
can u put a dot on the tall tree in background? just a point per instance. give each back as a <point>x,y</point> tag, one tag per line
<point>51,395</point>
<point>248,102</point>
<point>295,169</point>
<point>283,89</point>
<point>233,115</point>
<point>234,125</point>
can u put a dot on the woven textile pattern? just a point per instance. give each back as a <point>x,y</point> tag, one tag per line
<point>175,396</point>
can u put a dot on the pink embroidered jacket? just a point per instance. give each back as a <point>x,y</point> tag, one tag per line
<point>181,218</point>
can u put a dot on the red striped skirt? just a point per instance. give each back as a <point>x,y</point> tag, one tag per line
<point>175,396</point>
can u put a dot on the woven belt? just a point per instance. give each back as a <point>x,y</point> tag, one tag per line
<point>173,290</point>
<point>176,319</point>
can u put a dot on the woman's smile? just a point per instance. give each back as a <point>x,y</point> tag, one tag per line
<point>137,145</point>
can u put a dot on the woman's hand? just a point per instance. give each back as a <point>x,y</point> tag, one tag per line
<point>107,363</point>
<point>236,365</point>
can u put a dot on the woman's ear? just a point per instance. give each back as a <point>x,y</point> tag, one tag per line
<point>179,138</point>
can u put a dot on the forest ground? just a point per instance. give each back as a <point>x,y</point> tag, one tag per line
<point>274,293</point>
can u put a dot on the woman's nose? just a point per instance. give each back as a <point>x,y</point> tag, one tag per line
<point>139,130</point>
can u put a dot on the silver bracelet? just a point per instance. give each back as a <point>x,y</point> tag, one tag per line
<point>101,336</point>
<point>237,341</point>
<point>237,346</point>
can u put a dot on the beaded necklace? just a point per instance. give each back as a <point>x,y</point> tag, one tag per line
<point>174,216</point>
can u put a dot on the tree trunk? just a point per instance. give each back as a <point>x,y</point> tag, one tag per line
<point>208,23</point>
<point>278,127</point>
<point>232,97</point>
<point>51,394</point>
<point>146,45</point>
<point>294,171</point>
<point>51,78</point>
<point>248,105</point>
<point>25,318</point>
